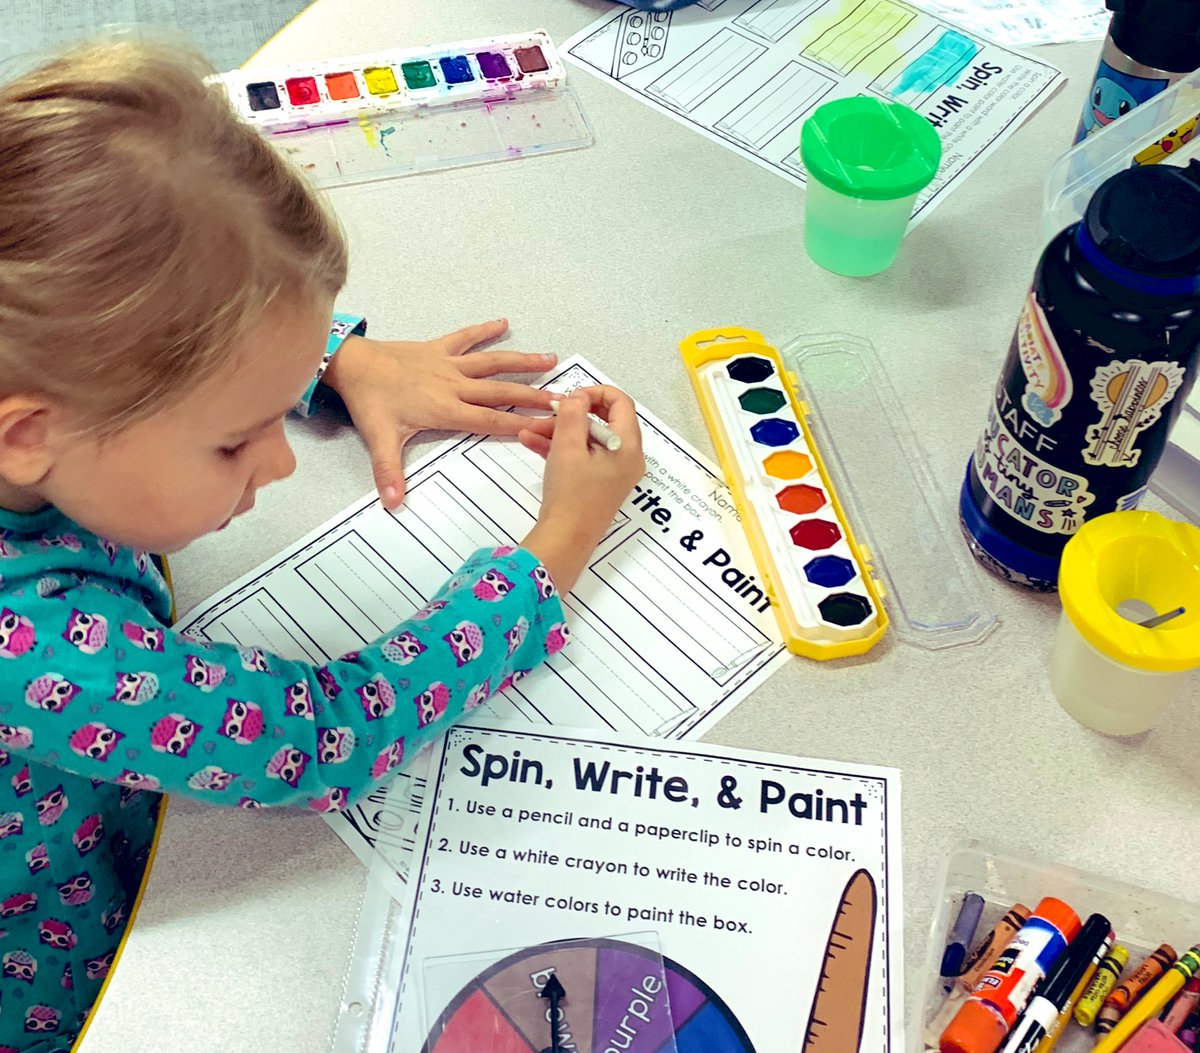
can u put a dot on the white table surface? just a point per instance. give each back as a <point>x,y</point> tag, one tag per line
<point>617,252</point>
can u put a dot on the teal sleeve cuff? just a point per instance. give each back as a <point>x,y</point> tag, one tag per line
<point>344,325</point>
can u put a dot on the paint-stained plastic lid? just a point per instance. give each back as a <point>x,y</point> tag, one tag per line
<point>866,148</point>
<point>932,590</point>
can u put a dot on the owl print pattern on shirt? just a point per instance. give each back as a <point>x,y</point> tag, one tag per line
<point>103,708</point>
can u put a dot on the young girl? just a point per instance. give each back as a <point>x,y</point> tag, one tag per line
<point>166,292</point>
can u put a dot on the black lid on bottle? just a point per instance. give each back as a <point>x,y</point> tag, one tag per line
<point>1147,220</point>
<point>1162,34</point>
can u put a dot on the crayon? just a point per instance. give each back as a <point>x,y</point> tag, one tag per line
<point>1151,1001</point>
<point>1183,1007</point>
<point>962,932</point>
<point>984,956</point>
<point>1190,1031</point>
<point>1052,993</point>
<point>1056,1029</point>
<point>599,432</point>
<point>1003,992</point>
<point>1154,1037</point>
<point>1119,1002</point>
<point>1102,984</point>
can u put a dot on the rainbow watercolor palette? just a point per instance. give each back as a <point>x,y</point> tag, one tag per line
<point>820,578</point>
<point>412,109</point>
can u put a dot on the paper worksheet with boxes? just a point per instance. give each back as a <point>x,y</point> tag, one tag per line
<point>669,630</point>
<point>746,74</point>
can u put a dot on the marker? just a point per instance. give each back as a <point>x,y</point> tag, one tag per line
<point>1002,993</point>
<point>600,433</point>
<point>961,934</point>
<point>1054,1032</point>
<point>984,956</point>
<point>1052,993</point>
<point>1151,1002</point>
<point>1118,1003</point>
<point>1183,1006</point>
<point>1102,984</point>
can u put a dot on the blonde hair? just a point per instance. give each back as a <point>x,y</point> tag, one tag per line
<point>144,231</point>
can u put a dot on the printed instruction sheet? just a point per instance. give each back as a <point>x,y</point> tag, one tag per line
<point>746,73</point>
<point>768,889</point>
<point>668,629</point>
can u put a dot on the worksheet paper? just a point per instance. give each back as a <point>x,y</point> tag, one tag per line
<point>667,634</point>
<point>746,73</point>
<point>1025,23</point>
<point>766,878</point>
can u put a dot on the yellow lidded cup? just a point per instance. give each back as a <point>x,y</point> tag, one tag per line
<point>1108,671</point>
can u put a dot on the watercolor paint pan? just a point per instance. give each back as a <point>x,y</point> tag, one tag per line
<point>819,577</point>
<point>409,110</point>
<point>863,472</point>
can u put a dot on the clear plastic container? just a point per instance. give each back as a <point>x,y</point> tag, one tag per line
<point>1105,695</point>
<point>853,236</point>
<point>867,160</point>
<point>1141,919</point>
<point>1162,130</point>
<point>932,588</point>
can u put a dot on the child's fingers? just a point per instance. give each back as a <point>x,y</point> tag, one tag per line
<point>571,427</point>
<point>543,426</point>
<point>503,393</point>
<point>482,420</point>
<point>534,442</point>
<point>618,409</point>
<point>489,363</point>
<point>462,340</point>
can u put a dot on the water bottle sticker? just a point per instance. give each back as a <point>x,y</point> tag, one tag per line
<point>1041,495</point>
<point>1131,397</point>
<point>1048,385</point>
<point>1114,94</point>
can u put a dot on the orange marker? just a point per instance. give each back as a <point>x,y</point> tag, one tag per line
<point>980,960</point>
<point>1117,1004</point>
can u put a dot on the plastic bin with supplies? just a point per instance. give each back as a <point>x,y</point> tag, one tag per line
<point>1141,919</point>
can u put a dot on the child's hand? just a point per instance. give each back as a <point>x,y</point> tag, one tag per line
<point>584,484</point>
<point>394,389</point>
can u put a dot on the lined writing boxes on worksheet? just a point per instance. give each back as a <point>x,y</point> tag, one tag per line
<point>819,577</point>
<point>413,109</point>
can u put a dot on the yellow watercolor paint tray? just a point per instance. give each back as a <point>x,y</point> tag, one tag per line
<point>795,429</point>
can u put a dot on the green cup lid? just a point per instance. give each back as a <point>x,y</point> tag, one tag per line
<point>864,147</point>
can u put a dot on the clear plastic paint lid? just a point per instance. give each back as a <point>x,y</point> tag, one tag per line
<point>932,589</point>
<point>1162,130</point>
<point>866,148</point>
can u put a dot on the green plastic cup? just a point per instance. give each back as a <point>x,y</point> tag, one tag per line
<point>867,160</point>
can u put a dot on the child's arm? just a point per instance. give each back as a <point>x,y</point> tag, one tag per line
<point>105,692</point>
<point>395,389</point>
<point>97,687</point>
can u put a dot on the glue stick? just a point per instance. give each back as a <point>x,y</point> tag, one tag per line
<point>1004,990</point>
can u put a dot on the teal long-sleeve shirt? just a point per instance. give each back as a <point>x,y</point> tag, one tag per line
<point>102,706</point>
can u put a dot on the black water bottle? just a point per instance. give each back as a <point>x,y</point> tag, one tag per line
<point>1101,363</point>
